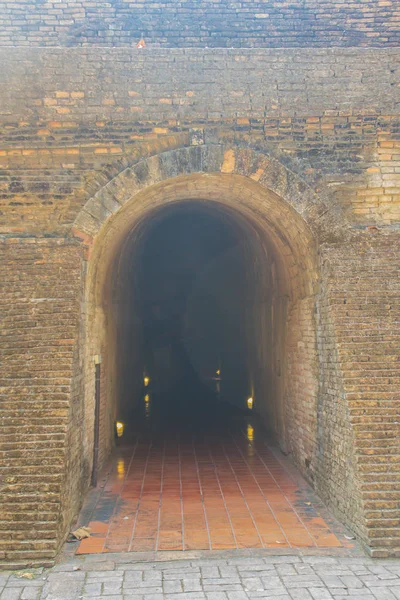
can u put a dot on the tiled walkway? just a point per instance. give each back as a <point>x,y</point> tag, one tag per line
<point>221,489</point>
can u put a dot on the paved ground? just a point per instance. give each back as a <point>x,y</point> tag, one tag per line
<point>188,487</point>
<point>225,577</point>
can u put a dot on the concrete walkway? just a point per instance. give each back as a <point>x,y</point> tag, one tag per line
<point>235,576</point>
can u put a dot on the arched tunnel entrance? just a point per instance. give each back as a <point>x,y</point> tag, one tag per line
<point>194,293</point>
<point>202,307</point>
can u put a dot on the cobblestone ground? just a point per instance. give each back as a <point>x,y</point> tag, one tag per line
<point>230,578</point>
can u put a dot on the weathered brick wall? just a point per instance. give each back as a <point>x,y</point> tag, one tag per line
<point>334,469</point>
<point>272,23</point>
<point>330,116</point>
<point>301,385</point>
<point>71,120</point>
<point>364,291</point>
<point>40,314</point>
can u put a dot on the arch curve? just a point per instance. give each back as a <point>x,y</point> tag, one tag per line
<point>209,159</point>
<point>282,220</point>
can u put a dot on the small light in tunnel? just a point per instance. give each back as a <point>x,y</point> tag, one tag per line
<point>250,402</point>
<point>147,398</point>
<point>119,426</point>
<point>250,433</point>
<point>146,380</point>
<point>121,467</point>
<point>218,372</point>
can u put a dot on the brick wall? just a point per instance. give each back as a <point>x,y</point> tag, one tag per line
<point>334,469</point>
<point>72,120</point>
<point>272,23</point>
<point>40,317</point>
<point>364,291</point>
<point>330,116</point>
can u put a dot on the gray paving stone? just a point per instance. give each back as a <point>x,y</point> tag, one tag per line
<point>268,594</point>
<point>110,589</point>
<point>11,594</point>
<point>217,596</point>
<point>253,583</point>
<point>231,571</point>
<point>191,585</point>
<point>221,580</point>
<point>237,587</point>
<point>241,578</point>
<point>383,593</point>
<point>320,594</point>
<point>186,596</point>
<point>237,595</point>
<point>22,582</point>
<point>107,576</point>
<point>351,581</point>
<point>286,570</point>
<point>300,581</point>
<point>356,596</point>
<point>180,574</point>
<point>272,582</point>
<point>30,593</point>
<point>92,589</point>
<point>301,594</point>
<point>141,590</point>
<point>172,587</point>
<point>210,572</point>
<point>152,576</point>
<point>332,580</point>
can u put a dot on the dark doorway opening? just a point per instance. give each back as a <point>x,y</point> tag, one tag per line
<point>192,290</point>
<point>196,318</point>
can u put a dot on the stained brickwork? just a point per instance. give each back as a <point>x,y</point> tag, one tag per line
<point>273,23</point>
<point>329,116</point>
<point>363,295</point>
<point>39,306</point>
<point>304,140</point>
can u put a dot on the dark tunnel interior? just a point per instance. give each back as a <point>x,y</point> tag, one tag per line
<point>188,336</point>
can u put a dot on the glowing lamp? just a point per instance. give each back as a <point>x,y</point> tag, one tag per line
<point>250,402</point>
<point>146,380</point>
<point>147,398</point>
<point>218,372</point>
<point>119,426</point>
<point>250,433</point>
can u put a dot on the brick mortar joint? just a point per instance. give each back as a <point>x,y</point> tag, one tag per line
<point>11,239</point>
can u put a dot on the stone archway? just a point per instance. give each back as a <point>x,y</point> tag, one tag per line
<point>282,218</point>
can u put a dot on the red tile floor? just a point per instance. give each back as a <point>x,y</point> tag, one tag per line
<point>211,489</point>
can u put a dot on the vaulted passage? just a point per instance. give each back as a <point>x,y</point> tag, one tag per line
<point>201,350</point>
<point>196,321</point>
<point>189,296</point>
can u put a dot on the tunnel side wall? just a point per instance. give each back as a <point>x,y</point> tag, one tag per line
<point>359,339</point>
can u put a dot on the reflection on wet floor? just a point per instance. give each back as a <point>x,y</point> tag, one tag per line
<point>200,475</point>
